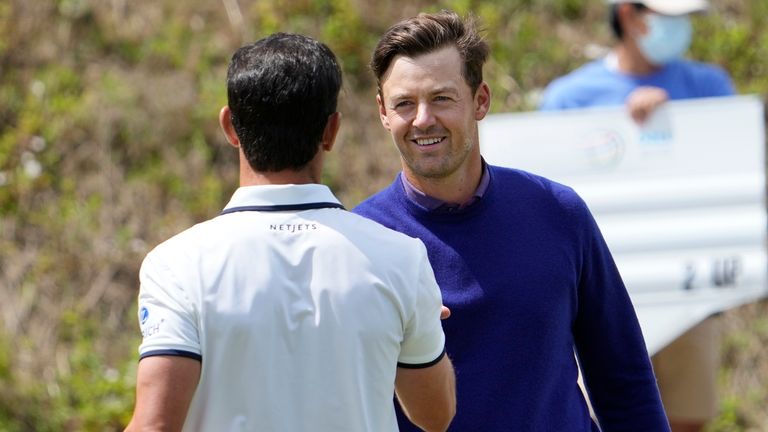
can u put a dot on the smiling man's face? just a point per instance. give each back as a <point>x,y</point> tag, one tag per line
<point>430,110</point>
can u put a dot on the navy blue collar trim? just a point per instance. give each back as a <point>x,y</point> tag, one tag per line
<point>284,207</point>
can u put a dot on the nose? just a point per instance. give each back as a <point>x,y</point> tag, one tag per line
<point>424,117</point>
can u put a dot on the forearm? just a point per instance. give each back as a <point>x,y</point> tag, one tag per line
<point>428,396</point>
<point>164,390</point>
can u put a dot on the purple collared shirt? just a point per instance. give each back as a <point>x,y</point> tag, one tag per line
<point>434,204</point>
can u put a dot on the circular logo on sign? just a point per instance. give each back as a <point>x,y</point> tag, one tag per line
<point>603,148</point>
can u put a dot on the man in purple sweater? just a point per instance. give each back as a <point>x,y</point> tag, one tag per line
<point>519,258</point>
<point>644,69</point>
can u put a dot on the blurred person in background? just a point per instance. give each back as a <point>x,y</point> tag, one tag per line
<point>519,258</point>
<point>645,68</point>
<point>285,312</point>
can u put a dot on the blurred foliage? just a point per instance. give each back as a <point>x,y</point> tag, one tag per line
<point>109,143</point>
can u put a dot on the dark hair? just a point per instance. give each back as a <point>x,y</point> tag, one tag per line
<point>613,18</point>
<point>281,91</point>
<point>425,33</point>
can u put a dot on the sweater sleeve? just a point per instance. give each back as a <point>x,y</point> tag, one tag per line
<point>609,343</point>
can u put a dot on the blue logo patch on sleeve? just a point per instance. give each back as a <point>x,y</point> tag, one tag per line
<point>143,314</point>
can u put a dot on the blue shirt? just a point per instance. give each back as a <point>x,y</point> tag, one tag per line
<point>600,83</point>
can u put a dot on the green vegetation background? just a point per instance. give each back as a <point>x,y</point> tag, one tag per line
<point>109,144</point>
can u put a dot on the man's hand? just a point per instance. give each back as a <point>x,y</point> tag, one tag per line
<point>643,101</point>
<point>444,312</point>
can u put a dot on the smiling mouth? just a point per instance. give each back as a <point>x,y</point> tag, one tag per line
<point>422,142</point>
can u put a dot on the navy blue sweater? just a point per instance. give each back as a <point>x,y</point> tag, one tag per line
<point>529,280</point>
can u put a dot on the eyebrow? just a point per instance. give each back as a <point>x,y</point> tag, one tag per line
<point>445,89</point>
<point>438,90</point>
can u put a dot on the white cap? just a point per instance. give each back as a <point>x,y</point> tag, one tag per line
<point>670,7</point>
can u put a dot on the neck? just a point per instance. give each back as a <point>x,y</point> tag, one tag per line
<point>310,173</point>
<point>631,61</point>
<point>275,178</point>
<point>457,188</point>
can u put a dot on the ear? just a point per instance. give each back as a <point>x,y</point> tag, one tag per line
<point>624,11</point>
<point>630,20</point>
<point>225,120</point>
<point>482,101</point>
<point>331,130</point>
<point>382,112</point>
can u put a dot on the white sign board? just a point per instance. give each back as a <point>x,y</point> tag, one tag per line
<point>680,200</point>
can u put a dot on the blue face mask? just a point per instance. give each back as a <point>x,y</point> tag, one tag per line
<point>668,37</point>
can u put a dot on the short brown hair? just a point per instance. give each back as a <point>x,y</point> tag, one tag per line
<point>425,33</point>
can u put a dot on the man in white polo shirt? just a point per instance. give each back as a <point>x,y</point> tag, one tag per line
<point>285,312</point>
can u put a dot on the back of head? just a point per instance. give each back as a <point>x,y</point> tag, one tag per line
<point>429,32</point>
<point>281,91</point>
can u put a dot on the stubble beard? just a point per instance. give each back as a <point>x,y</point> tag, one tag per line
<point>437,167</point>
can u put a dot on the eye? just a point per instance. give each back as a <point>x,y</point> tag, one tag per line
<point>402,104</point>
<point>442,98</point>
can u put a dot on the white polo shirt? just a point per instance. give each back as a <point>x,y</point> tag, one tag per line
<point>299,316</point>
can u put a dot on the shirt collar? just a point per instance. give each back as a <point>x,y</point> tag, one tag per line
<point>431,203</point>
<point>611,62</point>
<point>270,195</point>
